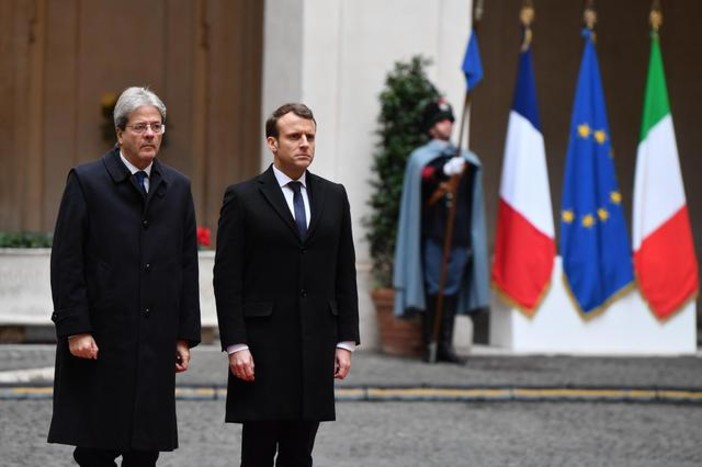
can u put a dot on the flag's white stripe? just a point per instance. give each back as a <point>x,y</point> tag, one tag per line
<point>524,184</point>
<point>658,186</point>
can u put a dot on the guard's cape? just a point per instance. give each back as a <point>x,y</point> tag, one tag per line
<point>408,279</point>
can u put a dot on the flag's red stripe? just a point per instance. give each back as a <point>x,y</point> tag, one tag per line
<point>523,258</point>
<point>666,265</point>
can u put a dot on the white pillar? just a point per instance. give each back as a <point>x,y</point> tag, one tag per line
<point>334,55</point>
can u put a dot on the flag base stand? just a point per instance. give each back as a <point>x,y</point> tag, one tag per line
<point>626,327</point>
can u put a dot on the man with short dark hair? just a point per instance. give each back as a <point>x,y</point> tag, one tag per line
<point>124,280</point>
<point>287,305</point>
<point>438,176</point>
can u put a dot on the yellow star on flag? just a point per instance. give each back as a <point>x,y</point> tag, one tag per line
<point>568,216</point>
<point>616,197</point>
<point>588,220</point>
<point>584,130</point>
<point>600,136</point>
<point>603,214</point>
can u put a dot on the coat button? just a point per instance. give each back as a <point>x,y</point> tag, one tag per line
<point>303,293</point>
<point>147,311</point>
<point>147,267</point>
<point>145,223</point>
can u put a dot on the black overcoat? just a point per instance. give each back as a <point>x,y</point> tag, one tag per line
<point>124,267</point>
<point>290,301</point>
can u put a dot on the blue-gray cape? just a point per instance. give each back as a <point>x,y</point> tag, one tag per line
<point>408,279</point>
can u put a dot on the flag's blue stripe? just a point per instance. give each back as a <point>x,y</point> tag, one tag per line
<point>525,92</point>
<point>472,65</point>
<point>596,258</point>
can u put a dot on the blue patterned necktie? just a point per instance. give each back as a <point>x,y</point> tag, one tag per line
<point>299,207</point>
<point>141,177</point>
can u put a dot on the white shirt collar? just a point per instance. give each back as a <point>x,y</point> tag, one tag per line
<point>284,179</point>
<point>134,169</point>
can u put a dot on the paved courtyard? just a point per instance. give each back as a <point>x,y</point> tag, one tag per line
<point>407,434</point>
<point>561,427</point>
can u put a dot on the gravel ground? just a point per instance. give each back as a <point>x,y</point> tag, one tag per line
<point>407,434</point>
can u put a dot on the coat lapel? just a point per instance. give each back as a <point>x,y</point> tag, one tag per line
<point>116,168</point>
<point>317,196</point>
<point>119,172</point>
<point>158,183</point>
<point>271,191</point>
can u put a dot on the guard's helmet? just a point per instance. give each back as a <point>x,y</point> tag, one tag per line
<point>436,111</point>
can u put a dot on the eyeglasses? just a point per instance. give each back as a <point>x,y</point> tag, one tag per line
<point>140,128</point>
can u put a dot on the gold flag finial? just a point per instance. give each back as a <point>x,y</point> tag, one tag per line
<point>656,16</point>
<point>590,15</point>
<point>590,18</point>
<point>526,17</point>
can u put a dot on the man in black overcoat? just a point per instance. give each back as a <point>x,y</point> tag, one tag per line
<point>124,280</point>
<point>287,303</point>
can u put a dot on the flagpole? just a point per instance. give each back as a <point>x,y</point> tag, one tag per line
<point>477,17</point>
<point>453,184</point>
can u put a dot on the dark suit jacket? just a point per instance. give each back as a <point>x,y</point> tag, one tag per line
<point>125,269</point>
<point>291,301</point>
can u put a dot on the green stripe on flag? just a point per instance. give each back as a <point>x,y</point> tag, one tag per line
<point>656,104</point>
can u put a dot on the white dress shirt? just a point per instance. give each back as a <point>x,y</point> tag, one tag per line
<point>134,170</point>
<point>283,181</point>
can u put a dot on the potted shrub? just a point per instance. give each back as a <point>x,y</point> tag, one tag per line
<point>406,92</point>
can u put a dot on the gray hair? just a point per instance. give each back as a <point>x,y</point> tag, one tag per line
<point>131,99</point>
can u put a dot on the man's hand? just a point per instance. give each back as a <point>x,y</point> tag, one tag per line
<point>83,346</point>
<point>454,166</point>
<point>241,365</point>
<point>182,356</point>
<point>343,363</point>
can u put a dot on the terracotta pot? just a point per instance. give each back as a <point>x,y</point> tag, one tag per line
<point>398,336</point>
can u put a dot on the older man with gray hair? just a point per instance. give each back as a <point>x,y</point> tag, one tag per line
<point>124,280</point>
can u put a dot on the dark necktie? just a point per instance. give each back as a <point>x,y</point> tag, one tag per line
<point>141,177</point>
<point>299,207</point>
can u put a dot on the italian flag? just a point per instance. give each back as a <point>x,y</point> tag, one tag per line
<point>524,241</point>
<point>664,254</point>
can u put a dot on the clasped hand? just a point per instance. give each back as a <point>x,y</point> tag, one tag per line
<point>454,166</point>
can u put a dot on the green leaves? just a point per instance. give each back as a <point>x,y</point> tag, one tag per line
<point>25,240</point>
<point>407,90</point>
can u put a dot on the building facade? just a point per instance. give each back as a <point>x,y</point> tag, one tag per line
<point>222,66</point>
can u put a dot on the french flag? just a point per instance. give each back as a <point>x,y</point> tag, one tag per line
<point>525,247</point>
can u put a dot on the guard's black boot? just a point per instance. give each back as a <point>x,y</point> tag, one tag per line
<point>446,352</point>
<point>428,326</point>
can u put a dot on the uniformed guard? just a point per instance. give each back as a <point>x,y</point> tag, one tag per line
<point>441,252</point>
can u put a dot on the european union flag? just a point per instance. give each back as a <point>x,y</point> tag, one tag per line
<point>594,242</point>
<point>472,65</point>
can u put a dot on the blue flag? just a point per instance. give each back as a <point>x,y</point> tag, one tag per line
<point>594,241</point>
<point>472,65</point>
